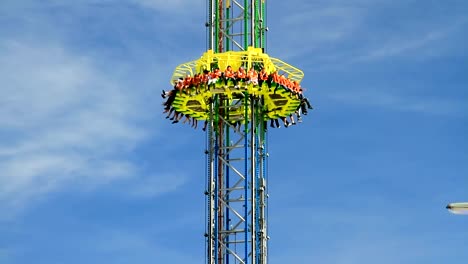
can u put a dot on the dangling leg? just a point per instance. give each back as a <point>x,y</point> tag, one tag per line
<point>175,118</point>
<point>292,119</point>
<point>187,118</point>
<point>298,114</point>
<point>286,123</point>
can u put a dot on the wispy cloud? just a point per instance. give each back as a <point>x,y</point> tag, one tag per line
<point>414,43</point>
<point>77,99</point>
<point>396,102</point>
<point>311,28</point>
<point>62,119</point>
<point>174,6</point>
<point>337,34</point>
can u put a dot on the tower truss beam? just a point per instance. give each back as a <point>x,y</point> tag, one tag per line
<point>235,25</point>
<point>236,215</point>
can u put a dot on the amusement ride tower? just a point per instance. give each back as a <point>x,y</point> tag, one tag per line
<point>236,112</point>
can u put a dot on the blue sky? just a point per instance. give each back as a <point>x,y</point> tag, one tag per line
<point>91,172</point>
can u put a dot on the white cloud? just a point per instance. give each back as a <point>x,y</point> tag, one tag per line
<point>386,100</point>
<point>337,34</point>
<point>173,6</point>
<point>402,45</point>
<point>62,119</point>
<point>156,185</point>
<point>416,42</point>
<point>314,27</point>
<point>71,114</point>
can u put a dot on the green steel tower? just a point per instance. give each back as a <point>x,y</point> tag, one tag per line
<point>237,226</point>
<point>236,112</point>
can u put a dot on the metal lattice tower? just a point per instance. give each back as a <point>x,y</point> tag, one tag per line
<point>237,195</point>
<point>236,25</point>
<point>236,119</point>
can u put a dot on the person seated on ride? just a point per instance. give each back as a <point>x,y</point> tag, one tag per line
<point>280,82</point>
<point>165,94</point>
<point>262,76</point>
<point>252,76</point>
<point>180,85</point>
<point>196,82</point>
<point>294,87</point>
<point>229,76</point>
<point>204,78</point>
<point>171,95</point>
<point>188,83</point>
<point>214,76</point>
<point>177,82</point>
<point>273,78</point>
<point>298,90</point>
<point>287,83</point>
<point>241,75</point>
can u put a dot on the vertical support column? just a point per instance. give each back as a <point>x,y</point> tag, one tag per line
<point>211,24</point>
<point>210,192</point>
<point>259,23</point>
<point>251,18</point>
<point>262,188</point>
<point>216,181</point>
<point>236,24</point>
<point>264,18</point>
<point>246,182</point>
<point>246,24</point>
<point>227,223</point>
<point>220,26</point>
<point>227,24</point>
<point>253,188</point>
